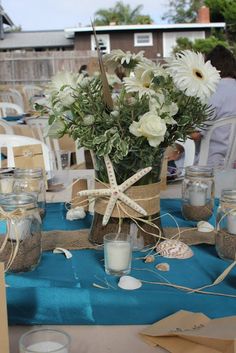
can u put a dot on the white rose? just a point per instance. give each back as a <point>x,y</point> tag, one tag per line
<point>150,126</point>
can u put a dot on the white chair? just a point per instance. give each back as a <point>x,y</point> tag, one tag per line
<point>11,95</point>
<point>205,142</point>
<point>7,108</point>
<point>39,127</point>
<point>10,141</point>
<point>7,127</point>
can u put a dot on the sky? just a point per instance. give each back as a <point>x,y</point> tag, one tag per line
<point>61,14</point>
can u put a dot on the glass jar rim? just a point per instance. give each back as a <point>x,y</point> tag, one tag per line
<point>33,173</point>
<point>228,195</point>
<point>47,330</point>
<point>199,170</point>
<point>23,200</point>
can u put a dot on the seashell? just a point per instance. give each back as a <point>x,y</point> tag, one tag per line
<point>204,227</point>
<point>149,258</point>
<point>129,283</point>
<point>163,266</point>
<point>75,213</point>
<point>174,249</point>
<point>66,252</point>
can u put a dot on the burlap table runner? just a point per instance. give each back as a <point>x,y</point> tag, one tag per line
<point>78,239</point>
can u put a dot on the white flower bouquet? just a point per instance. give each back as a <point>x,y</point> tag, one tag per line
<point>152,106</point>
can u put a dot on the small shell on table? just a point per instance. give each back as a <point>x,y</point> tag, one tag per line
<point>129,283</point>
<point>163,266</point>
<point>204,227</point>
<point>149,258</point>
<point>174,249</point>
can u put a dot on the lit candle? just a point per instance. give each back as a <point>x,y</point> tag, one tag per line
<point>198,194</point>
<point>117,256</point>
<point>231,222</point>
<point>46,347</point>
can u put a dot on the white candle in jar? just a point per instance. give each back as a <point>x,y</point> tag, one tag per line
<point>20,229</point>
<point>46,347</point>
<point>118,255</point>
<point>231,222</point>
<point>198,194</point>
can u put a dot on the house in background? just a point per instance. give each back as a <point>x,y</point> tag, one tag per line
<point>36,41</point>
<point>156,40</point>
<point>35,56</point>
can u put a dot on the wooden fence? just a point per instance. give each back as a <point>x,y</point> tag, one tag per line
<point>38,67</point>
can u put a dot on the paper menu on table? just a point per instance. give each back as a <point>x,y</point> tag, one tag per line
<point>186,332</point>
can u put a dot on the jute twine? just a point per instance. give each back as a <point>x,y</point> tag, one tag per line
<point>147,196</point>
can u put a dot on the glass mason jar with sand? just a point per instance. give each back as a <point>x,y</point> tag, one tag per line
<point>198,193</point>
<point>226,225</point>
<point>20,232</point>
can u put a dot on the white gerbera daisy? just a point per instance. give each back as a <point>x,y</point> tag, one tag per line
<point>63,85</point>
<point>192,75</point>
<point>124,58</point>
<point>140,81</point>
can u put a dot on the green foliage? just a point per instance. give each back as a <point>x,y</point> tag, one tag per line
<point>149,113</point>
<point>199,45</point>
<point>121,14</point>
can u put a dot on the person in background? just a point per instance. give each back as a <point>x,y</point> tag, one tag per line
<point>223,103</point>
<point>83,70</point>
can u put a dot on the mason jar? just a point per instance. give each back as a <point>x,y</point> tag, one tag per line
<point>226,225</point>
<point>198,193</point>
<point>33,181</point>
<point>20,232</point>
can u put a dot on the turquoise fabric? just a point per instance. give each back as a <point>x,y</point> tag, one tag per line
<point>61,291</point>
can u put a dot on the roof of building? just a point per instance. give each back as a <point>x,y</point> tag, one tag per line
<point>71,31</point>
<point>6,18</point>
<point>35,39</point>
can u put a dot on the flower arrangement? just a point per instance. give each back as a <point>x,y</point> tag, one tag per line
<point>152,106</point>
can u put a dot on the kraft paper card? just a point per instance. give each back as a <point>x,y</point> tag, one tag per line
<point>185,332</point>
<point>29,157</point>
<point>79,185</point>
<point>4,340</point>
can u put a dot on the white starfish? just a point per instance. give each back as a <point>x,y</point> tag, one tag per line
<point>116,192</point>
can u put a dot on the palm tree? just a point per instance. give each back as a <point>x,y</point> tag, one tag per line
<point>121,14</point>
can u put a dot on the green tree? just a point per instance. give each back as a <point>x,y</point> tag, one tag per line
<point>182,11</point>
<point>121,14</point>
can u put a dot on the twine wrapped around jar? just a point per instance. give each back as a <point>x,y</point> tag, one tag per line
<point>147,196</point>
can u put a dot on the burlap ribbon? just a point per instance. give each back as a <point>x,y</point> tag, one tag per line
<point>147,196</point>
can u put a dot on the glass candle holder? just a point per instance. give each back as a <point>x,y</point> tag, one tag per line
<point>44,341</point>
<point>226,225</point>
<point>31,180</point>
<point>198,193</point>
<point>117,254</point>
<point>20,232</point>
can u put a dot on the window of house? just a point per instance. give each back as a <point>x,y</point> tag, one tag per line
<point>103,41</point>
<point>143,39</point>
<point>169,39</point>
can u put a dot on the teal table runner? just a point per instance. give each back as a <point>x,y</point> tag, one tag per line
<point>61,291</point>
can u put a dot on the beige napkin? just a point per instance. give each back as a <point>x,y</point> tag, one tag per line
<point>185,332</point>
